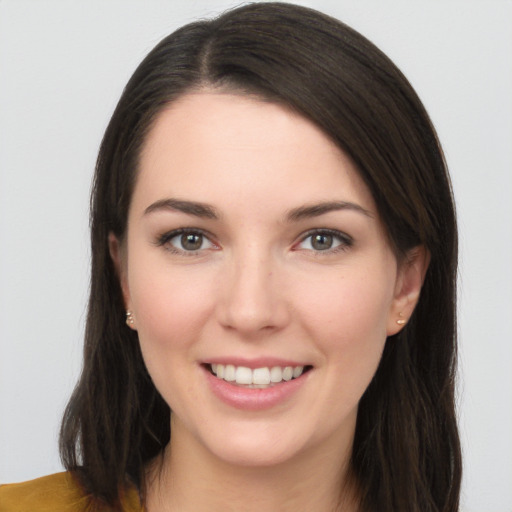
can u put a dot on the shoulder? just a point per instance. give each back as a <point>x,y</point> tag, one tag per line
<point>57,493</point>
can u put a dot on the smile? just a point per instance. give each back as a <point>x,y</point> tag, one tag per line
<point>258,377</point>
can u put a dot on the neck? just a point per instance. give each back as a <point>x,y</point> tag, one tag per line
<point>189,478</point>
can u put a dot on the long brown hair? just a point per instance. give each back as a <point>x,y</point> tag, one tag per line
<point>406,453</point>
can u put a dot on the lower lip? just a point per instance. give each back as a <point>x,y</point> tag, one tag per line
<point>254,399</point>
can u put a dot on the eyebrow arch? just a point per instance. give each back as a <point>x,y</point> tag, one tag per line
<point>202,210</point>
<point>315,210</point>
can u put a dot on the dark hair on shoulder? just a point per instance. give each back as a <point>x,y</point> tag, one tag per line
<point>406,453</point>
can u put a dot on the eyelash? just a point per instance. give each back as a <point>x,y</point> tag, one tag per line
<point>164,240</point>
<point>344,241</point>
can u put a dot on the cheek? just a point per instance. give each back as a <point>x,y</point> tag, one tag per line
<point>170,307</point>
<point>352,297</point>
<point>347,317</point>
<point>171,310</point>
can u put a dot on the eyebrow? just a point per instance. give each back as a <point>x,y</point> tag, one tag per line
<point>207,211</point>
<point>315,210</point>
<point>201,210</point>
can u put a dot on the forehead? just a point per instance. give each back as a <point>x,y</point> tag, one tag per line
<point>218,145</point>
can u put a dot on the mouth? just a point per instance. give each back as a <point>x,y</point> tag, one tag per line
<point>257,378</point>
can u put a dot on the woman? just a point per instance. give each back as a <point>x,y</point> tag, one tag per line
<point>273,259</point>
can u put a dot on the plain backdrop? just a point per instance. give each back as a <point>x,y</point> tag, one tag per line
<point>63,65</point>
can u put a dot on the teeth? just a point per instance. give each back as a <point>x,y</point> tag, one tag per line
<point>288,373</point>
<point>259,377</point>
<point>229,372</point>
<point>243,375</point>
<point>276,374</point>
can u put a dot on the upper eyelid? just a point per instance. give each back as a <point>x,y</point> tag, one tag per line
<point>168,235</point>
<point>335,232</point>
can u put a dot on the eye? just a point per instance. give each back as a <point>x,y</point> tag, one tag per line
<point>186,241</point>
<point>325,240</point>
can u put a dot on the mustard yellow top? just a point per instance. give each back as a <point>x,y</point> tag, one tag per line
<point>56,493</point>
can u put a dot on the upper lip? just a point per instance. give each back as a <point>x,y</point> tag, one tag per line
<point>259,362</point>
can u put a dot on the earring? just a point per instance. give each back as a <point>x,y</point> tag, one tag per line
<point>401,321</point>
<point>129,318</point>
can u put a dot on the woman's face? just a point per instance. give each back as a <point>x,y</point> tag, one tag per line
<point>255,251</point>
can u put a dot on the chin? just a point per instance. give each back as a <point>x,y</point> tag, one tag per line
<point>260,443</point>
<point>257,455</point>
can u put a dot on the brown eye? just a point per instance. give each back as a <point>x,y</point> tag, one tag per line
<point>325,240</point>
<point>321,242</point>
<point>186,241</point>
<point>191,241</point>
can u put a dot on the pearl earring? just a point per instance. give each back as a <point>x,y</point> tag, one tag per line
<point>129,318</point>
<point>401,321</point>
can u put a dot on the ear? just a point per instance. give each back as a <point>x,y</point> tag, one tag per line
<point>118,255</point>
<point>410,277</point>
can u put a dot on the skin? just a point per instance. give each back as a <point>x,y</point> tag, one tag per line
<point>257,287</point>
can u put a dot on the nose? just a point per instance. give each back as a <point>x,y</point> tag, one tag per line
<point>252,299</point>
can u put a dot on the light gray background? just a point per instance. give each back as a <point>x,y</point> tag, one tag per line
<point>62,68</point>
